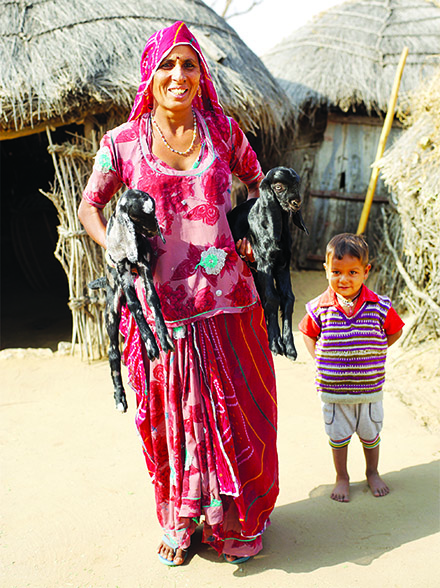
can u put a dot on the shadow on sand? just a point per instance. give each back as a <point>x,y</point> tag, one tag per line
<point>318,532</point>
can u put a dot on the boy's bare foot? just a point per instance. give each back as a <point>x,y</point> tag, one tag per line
<point>377,485</point>
<point>177,556</point>
<point>341,491</point>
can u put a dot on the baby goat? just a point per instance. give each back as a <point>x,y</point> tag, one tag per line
<point>264,221</point>
<point>128,230</point>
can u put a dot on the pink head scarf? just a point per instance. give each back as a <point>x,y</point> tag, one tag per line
<point>157,48</point>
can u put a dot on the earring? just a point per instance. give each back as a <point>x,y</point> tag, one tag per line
<point>199,92</point>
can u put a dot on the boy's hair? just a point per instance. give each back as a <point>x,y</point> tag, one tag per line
<point>347,244</point>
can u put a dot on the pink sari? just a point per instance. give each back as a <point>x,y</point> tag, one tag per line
<point>206,413</point>
<point>207,418</point>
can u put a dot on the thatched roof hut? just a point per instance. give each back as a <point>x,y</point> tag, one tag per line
<point>409,260</point>
<point>338,72</point>
<point>77,63</point>
<point>346,57</point>
<point>62,61</point>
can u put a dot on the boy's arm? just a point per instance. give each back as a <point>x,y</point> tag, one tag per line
<point>310,343</point>
<point>310,331</point>
<point>393,338</point>
<point>393,326</point>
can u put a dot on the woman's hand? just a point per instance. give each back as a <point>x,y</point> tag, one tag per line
<point>244,249</point>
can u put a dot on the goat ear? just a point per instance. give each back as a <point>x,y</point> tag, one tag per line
<point>121,238</point>
<point>299,222</point>
<point>273,221</point>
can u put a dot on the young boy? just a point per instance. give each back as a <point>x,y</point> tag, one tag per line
<point>348,330</point>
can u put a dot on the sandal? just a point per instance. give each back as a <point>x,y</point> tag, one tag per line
<point>238,560</point>
<point>169,562</point>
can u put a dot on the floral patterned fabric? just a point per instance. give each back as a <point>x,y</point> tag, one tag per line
<point>197,271</point>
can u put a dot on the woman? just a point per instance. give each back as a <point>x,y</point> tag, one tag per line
<point>207,411</point>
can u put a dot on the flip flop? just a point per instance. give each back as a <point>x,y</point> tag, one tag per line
<point>239,560</point>
<point>168,562</point>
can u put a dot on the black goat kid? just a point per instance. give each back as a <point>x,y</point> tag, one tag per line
<point>128,230</point>
<point>264,221</point>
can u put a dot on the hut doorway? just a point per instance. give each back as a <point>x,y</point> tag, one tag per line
<point>34,288</point>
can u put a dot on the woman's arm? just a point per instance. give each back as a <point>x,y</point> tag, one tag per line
<point>94,222</point>
<point>253,190</point>
<point>243,247</point>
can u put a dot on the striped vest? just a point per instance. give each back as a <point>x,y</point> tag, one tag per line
<point>350,352</point>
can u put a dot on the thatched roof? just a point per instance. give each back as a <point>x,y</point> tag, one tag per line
<point>346,57</point>
<point>61,60</point>
<point>412,165</point>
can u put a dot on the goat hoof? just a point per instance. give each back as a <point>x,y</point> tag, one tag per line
<point>277,347</point>
<point>121,402</point>
<point>152,350</point>
<point>121,407</point>
<point>167,345</point>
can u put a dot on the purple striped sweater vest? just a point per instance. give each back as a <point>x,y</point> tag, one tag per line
<point>350,352</point>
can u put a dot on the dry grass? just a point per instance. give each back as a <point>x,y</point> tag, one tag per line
<point>410,257</point>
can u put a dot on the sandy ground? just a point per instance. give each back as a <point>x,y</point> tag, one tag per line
<point>77,504</point>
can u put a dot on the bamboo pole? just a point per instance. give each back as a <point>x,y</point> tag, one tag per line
<point>382,142</point>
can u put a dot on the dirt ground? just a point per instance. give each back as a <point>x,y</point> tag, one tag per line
<point>78,510</point>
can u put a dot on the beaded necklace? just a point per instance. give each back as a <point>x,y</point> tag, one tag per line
<point>162,136</point>
<point>348,304</point>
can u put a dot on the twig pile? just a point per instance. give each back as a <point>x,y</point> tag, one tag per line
<point>409,259</point>
<point>80,257</point>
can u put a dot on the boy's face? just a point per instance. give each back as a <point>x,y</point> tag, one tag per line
<point>346,276</point>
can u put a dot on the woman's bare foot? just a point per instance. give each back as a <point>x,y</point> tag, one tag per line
<point>236,559</point>
<point>230,558</point>
<point>177,556</point>
<point>341,491</point>
<point>377,485</point>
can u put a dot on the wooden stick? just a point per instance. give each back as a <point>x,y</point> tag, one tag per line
<point>382,142</point>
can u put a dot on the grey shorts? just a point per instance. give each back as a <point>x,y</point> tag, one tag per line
<point>342,420</point>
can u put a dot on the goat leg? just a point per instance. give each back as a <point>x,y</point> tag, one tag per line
<point>154,303</point>
<point>135,308</point>
<point>271,304</point>
<point>112,318</point>
<point>287,302</point>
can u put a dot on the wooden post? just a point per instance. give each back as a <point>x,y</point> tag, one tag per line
<point>382,142</point>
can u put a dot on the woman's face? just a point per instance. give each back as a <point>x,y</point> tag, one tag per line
<point>176,80</point>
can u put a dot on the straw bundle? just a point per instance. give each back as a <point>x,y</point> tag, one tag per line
<point>347,56</point>
<point>81,258</point>
<point>409,259</point>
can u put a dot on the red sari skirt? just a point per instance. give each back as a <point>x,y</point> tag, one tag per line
<point>207,417</point>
